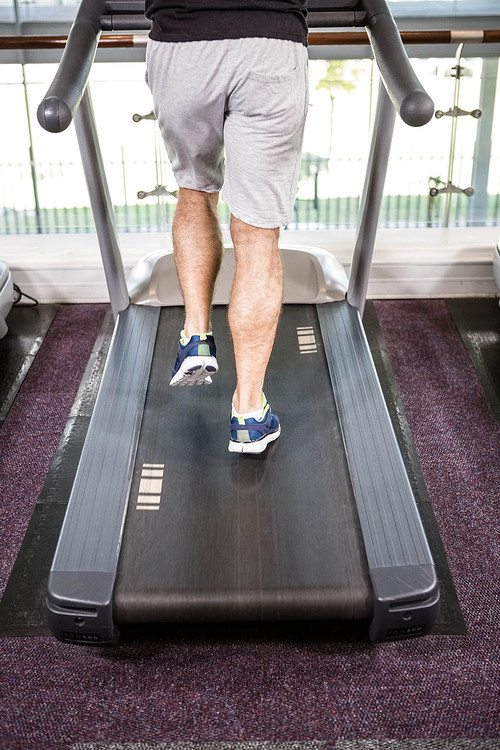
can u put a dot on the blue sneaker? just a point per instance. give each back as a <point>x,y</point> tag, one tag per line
<point>196,361</point>
<point>254,435</point>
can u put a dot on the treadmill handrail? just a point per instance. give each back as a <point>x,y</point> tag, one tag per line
<point>407,94</point>
<point>61,101</point>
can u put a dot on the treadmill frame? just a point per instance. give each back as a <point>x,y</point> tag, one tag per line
<point>81,583</point>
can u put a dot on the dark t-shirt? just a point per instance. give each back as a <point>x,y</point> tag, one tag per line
<point>192,20</point>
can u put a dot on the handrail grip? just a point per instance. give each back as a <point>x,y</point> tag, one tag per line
<point>61,101</point>
<point>407,94</point>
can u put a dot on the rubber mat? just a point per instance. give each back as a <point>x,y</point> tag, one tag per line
<point>27,328</point>
<point>478,322</point>
<point>21,609</point>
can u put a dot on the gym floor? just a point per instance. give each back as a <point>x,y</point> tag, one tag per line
<point>270,687</point>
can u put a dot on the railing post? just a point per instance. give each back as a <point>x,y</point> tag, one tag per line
<point>102,207</point>
<point>371,200</point>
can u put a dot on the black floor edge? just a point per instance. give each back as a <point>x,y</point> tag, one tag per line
<point>28,326</point>
<point>478,323</point>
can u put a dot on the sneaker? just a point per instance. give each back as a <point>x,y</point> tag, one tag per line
<point>254,435</point>
<point>196,361</point>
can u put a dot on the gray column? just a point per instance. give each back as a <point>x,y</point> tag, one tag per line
<point>478,205</point>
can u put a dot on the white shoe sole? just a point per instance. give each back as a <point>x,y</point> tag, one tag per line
<point>256,446</point>
<point>195,370</point>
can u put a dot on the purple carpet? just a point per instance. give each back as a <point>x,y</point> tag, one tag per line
<point>270,690</point>
<point>33,426</point>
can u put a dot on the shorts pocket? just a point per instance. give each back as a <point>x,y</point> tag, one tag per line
<point>272,77</point>
<point>273,94</point>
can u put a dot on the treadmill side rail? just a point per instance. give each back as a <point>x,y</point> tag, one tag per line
<point>399,559</point>
<point>81,582</point>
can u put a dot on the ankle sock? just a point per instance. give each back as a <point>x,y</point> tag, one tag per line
<point>257,414</point>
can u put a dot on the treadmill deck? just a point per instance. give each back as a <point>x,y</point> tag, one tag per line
<point>213,536</point>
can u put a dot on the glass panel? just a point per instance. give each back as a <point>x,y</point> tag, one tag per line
<point>43,189</point>
<point>489,154</point>
<point>133,156</point>
<point>424,158</point>
<point>334,154</point>
<point>443,8</point>
<point>7,11</point>
<point>17,203</point>
<point>58,168</point>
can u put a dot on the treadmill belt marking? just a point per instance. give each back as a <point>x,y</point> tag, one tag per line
<point>307,340</point>
<point>149,497</point>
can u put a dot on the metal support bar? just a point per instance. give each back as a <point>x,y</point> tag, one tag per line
<point>102,207</point>
<point>458,112</point>
<point>159,191</point>
<point>371,200</point>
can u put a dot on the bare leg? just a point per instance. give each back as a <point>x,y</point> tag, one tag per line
<point>198,251</point>
<point>254,309</point>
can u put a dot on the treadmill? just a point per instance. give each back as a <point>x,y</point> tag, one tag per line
<point>163,524</point>
<point>6,296</point>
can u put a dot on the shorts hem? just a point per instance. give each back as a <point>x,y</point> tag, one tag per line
<point>261,223</point>
<point>209,189</point>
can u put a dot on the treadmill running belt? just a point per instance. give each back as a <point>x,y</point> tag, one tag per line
<point>213,536</point>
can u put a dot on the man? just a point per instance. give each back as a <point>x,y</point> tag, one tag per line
<point>229,82</point>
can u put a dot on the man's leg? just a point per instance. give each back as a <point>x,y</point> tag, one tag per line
<point>263,132</point>
<point>254,309</point>
<point>198,251</point>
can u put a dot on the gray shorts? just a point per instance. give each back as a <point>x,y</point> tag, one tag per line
<point>232,114</point>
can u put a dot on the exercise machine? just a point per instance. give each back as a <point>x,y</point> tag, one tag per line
<point>6,296</point>
<point>163,523</point>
